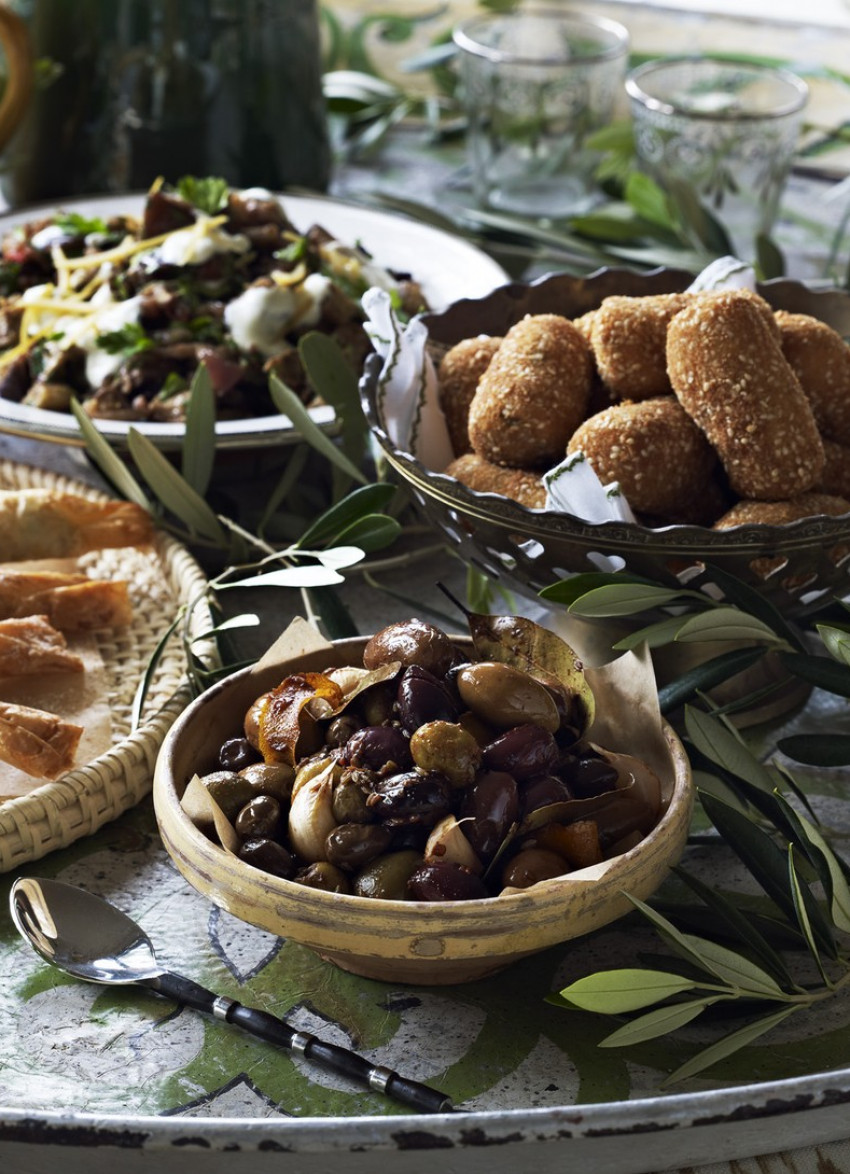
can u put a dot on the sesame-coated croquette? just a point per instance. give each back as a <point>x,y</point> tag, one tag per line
<point>728,372</point>
<point>533,395</point>
<point>477,473</point>
<point>653,449</point>
<point>458,374</point>
<point>780,513</point>
<point>628,337</point>
<point>835,477</point>
<point>820,358</point>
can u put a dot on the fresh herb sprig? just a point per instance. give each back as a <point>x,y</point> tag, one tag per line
<point>758,809</point>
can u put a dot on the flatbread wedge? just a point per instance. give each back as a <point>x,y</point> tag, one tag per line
<point>42,523</point>
<point>38,743</point>
<point>72,602</point>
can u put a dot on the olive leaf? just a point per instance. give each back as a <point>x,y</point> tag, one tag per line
<point>727,623</point>
<point>653,635</point>
<point>802,913</point>
<point>817,749</point>
<point>361,502</point>
<point>729,1044</point>
<point>613,992</point>
<point>111,465</point>
<point>625,600</point>
<point>703,953</point>
<point>198,454</point>
<point>766,861</point>
<point>747,599</point>
<point>817,670</point>
<point>724,746</point>
<point>288,403</point>
<point>330,371</point>
<point>740,925</point>
<point>567,591</point>
<point>661,1021</point>
<point>833,876</point>
<point>374,532</point>
<point>836,640</point>
<point>706,676</point>
<point>175,494</point>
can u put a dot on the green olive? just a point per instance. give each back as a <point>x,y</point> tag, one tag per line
<point>324,876</point>
<point>447,748</point>
<point>229,790</point>
<point>349,799</point>
<point>386,878</point>
<point>270,778</point>
<point>505,696</point>
<point>351,846</point>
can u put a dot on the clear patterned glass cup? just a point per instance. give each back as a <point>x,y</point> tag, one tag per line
<point>535,85</point>
<point>722,131</point>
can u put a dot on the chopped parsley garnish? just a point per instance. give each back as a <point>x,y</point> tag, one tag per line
<point>80,225</point>
<point>206,329</point>
<point>174,385</point>
<point>207,195</point>
<point>129,340</point>
<point>9,271</point>
<point>39,358</point>
<point>295,251</point>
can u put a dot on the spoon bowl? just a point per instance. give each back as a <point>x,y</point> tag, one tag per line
<point>81,933</point>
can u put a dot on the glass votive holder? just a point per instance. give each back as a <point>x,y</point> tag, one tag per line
<point>535,85</point>
<point>724,132</point>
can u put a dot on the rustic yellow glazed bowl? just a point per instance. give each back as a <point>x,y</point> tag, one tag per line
<point>396,941</point>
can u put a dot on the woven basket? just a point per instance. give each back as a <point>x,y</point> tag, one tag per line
<point>807,561</point>
<point>56,814</point>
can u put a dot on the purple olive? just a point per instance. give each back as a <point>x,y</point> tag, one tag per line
<point>260,818</point>
<point>411,798</point>
<point>524,752</point>
<point>445,880</point>
<point>489,808</point>
<point>590,775</point>
<point>237,753</point>
<point>423,698</point>
<point>383,749</point>
<point>543,792</point>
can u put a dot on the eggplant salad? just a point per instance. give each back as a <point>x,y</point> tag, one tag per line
<point>119,313</point>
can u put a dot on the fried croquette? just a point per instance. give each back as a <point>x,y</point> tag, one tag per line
<point>820,358</point>
<point>533,395</point>
<point>482,475</point>
<point>780,513</point>
<point>458,374</point>
<point>628,337</point>
<point>653,449</point>
<point>835,478</point>
<point>728,371</point>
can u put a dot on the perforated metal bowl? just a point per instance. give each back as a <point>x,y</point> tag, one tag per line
<point>796,566</point>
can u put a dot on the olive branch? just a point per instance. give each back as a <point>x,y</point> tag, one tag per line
<point>757,809</point>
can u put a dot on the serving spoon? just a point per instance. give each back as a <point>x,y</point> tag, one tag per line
<point>89,938</point>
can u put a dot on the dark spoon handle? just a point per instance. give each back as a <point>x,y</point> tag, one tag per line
<point>278,1031</point>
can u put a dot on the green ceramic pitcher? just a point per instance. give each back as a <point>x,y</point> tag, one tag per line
<point>106,95</point>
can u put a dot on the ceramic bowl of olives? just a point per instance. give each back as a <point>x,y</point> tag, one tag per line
<point>423,808</point>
